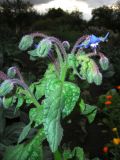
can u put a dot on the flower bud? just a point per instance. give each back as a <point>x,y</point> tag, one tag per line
<point>43,48</point>
<point>97,78</point>
<point>11,72</point>
<point>66,45</point>
<point>104,62</point>
<point>89,76</point>
<point>25,42</point>
<point>6,87</point>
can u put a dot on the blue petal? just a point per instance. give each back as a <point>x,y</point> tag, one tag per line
<point>94,39</point>
<point>105,38</point>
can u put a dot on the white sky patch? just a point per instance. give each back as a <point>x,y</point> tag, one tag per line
<point>67,5</point>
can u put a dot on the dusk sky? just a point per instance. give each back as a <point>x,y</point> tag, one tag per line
<point>84,6</point>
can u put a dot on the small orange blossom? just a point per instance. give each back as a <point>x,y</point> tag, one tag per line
<point>118,87</point>
<point>105,149</point>
<point>116,141</point>
<point>108,102</point>
<point>109,97</point>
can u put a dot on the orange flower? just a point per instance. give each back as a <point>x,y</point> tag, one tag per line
<point>118,87</point>
<point>108,102</point>
<point>109,97</point>
<point>116,141</point>
<point>105,149</point>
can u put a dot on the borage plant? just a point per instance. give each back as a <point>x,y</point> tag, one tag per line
<point>53,97</point>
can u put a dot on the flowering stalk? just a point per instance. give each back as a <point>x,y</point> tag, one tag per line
<point>62,61</point>
<point>77,42</point>
<point>38,34</point>
<point>60,45</point>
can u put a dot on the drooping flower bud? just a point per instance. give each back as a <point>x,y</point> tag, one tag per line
<point>90,76</point>
<point>66,45</point>
<point>25,42</point>
<point>6,87</point>
<point>104,62</point>
<point>43,48</point>
<point>11,72</point>
<point>97,78</point>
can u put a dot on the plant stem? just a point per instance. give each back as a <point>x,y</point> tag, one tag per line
<point>57,155</point>
<point>77,43</point>
<point>38,34</point>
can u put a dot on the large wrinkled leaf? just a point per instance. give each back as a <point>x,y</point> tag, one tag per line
<point>36,115</point>
<point>40,89</point>
<point>30,151</point>
<point>60,97</point>
<point>71,94</point>
<point>52,113</point>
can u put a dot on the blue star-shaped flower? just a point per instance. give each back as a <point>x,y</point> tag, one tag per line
<point>92,41</point>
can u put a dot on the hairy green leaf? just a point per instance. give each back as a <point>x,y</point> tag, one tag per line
<point>36,115</point>
<point>79,153</point>
<point>67,154</point>
<point>60,97</point>
<point>71,94</point>
<point>90,112</point>
<point>82,105</point>
<point>52,113</point>
<point>24,132</point>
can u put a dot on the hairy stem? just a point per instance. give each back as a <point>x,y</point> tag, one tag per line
<point>19,74</point>
<point>92,54</point>
<point>77,43</point>
<point>38,34</point>
<point>60,45</point>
